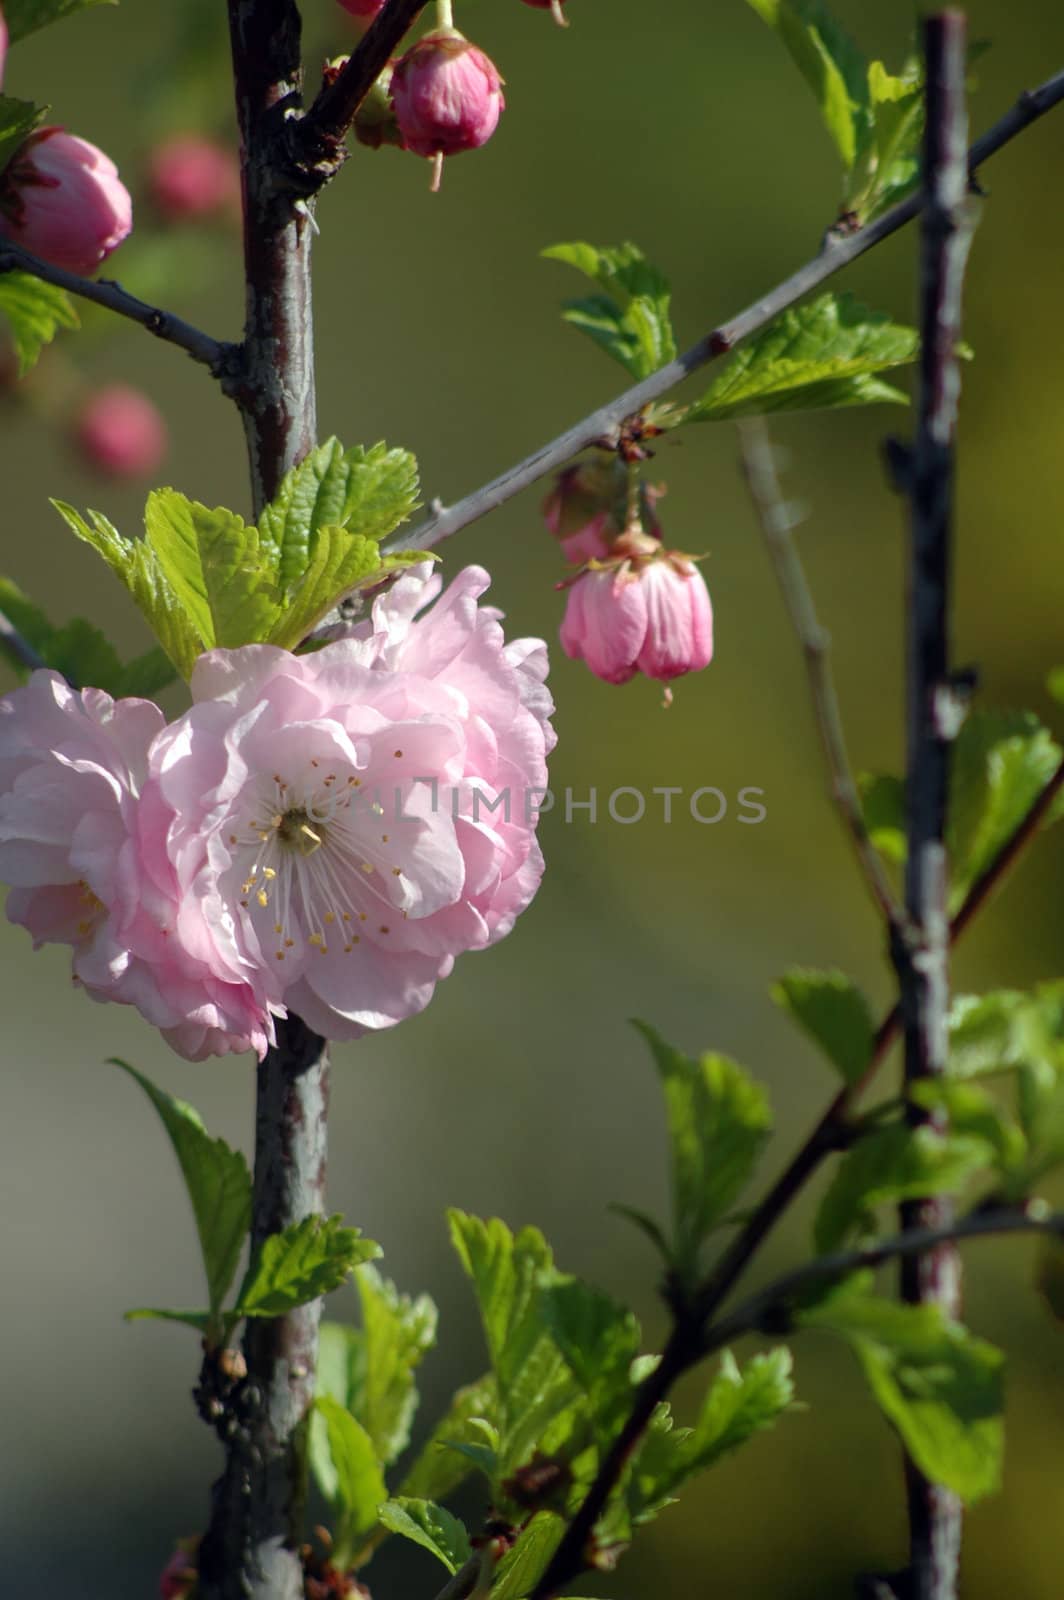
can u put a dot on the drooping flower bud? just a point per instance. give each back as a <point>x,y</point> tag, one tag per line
<point>375,122</point>
<point>62,199</point>
<point>120,432</point>
<point>447,96</point>
<point>553,6</point>
<point>191,177</point>
<point>645,610</point>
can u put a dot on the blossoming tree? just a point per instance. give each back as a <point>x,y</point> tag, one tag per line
<point>349,803</point>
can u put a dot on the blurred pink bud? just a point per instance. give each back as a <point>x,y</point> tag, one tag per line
<point>647,610</point>
<point>3,45</point>
<point>447,96</point>
<point>62,199</point>
<point>178,1577</point>
<point>553,6</point>
<point>191,177</point>
<point>120,432</point>
<point>363,8</point>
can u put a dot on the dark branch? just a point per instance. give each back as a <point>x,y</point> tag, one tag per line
<point>604,423</point>
<point>777,523</point>
<point>218,357</point>
<point>14,644</point>
<point>932,1276</point>
<point>318,135</point>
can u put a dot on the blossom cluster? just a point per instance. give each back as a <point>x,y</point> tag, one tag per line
<point>219,869</point>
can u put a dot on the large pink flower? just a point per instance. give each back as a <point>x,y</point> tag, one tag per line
<point>71,769</point>
<point>348,822</point>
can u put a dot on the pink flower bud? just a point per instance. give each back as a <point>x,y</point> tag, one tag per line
<point>553,6</point>
<point>647,610</point>
<point>62,199</point>
<point>363,8</point>
<point>191,177</point>
<point>447,96</point>
<point>3,45</point>
<point>120,432</point>
<point>585,509</point>
<point>178,1577</point>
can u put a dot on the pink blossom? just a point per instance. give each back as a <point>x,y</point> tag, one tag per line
<point>72,767</point>
<point>447,95</point>
<point>363,8</point>
<point>648,610</point>
<point>178,1578</point>
<point>582,509</point>
<point>3,46</point>
<point>329,816</point>
<point>121,432</point>
<point>62,199</point>
<point>190,177</point>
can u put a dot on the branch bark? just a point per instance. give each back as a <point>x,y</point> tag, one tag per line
<point>321,131</point>
<point>251,1549</point>
<point>932,1276</point>
<point>606,421</point>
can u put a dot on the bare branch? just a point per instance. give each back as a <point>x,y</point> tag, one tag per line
<point>218,357</point>
<point>321,131</point>
<point>837,253</point>
<point>777,524</point>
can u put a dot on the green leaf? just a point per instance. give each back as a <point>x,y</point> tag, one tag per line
<point>214,564</point>
<point>396,1334</point>
<point>809,356</point>
<point>940,1387</point>
<point>26,16</point>
<point>834,1013</point>
<point>360,1489</point>
<point>139,567</point>
<point>883,805</point>
<point>888,156</point>
<point>431,1527</point>
<point>339,561</point>
<point>1055,684</point>
<point>202,1321</point>
<point>439,1470</point>
<point>521,1569</point>
<point>894,1163</point>
<point>1001,763</point>
<point>36,311</point>
<point>972,1112</point>
<point>145,675</point>
<point>218,1184</point>
<point>18,119</point>
<point>309,1259</point>
<point>27,619</point>
<point>79,650</point>
<point>830,63</point>
<point>371,491</point>
<point>719,1121</point>
<point>739,1404</point>
<point>989,1032</point>
<point>340,1376</point>
<point>630,319</point>
<point>598,1339</point>
<point>507,1271</point>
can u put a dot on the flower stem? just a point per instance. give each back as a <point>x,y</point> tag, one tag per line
<point>444,14</point>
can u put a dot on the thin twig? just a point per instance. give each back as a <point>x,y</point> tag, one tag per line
<point>217,356</point>
<point>604,423</point>
<point>464,1581</point>
<point>932,1277</point>
<point>317,135</point>
<point>770,1306</point>
<point>777,523</point>
<point>16,645</point>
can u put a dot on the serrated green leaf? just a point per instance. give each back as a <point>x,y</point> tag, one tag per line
<point>439,1470</point>
<point>80,651</point>
<point>719,1120</point>
<point>888,155</point>
<point>883,807</point>
<point>396,1334</point>
<point>598,1339</point>
<point>26,16</point>
<point>740,1403</point>
<point>521,1569</point>
<point>1001,763</point>
<point>200,1320</point>
<point>217,1180</point>
<point>214,563</point>
<point>940,1387</point>
<point>36,311</point>
<point>18,119</point>
<point>833,340</point>
<point>630,319</point>
<point>309,1259</point>
<point>145,675</point>
<point>831,1009</point>
<point>381,491</point>
<point>989,1032</point>
<point>430,1526</point>
<point>340,1376</point>
<point>890,1164</point>
<point>339,561</point>
<point>507,1271</point>
<point>138,566</point>
<point>830,63</point>
<point>972,1112</point>
<point>360,1488</point>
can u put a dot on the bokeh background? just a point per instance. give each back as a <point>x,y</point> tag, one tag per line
<point>522,1091</point>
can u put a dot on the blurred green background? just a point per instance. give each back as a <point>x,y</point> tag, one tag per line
<point>522,1091</point>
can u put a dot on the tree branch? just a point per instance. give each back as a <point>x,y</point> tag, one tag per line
<point>218,357</point>
<point>932,1276</point>
<point>605,422</point>
<point>14,644</point>
<point>777,522</point>
<point>319,133</point>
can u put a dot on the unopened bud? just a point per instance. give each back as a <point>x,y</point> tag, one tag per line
<point>447,96</point>
<point>191,177</point>
<point>121,433</point>
<point>62,199</point>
